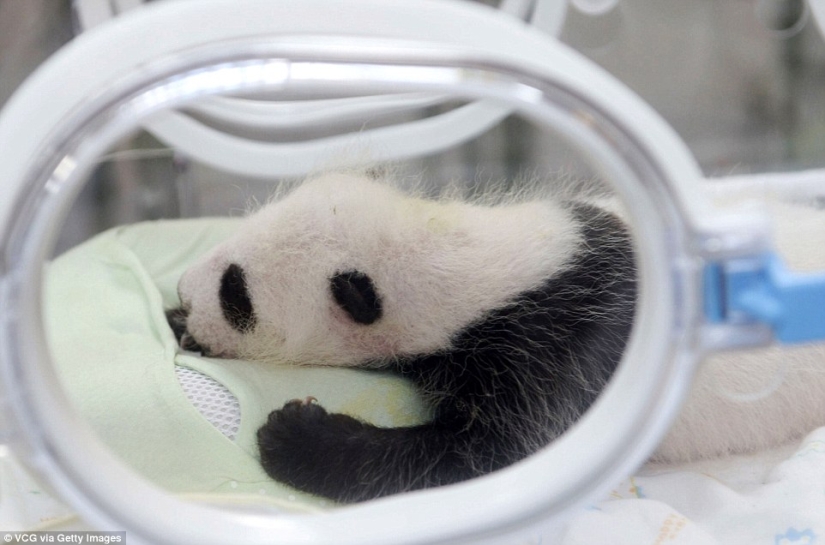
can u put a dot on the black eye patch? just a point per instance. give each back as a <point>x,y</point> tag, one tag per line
<point>235,302</point>
<point>355,293</point>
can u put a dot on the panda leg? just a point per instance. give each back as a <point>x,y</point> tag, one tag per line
<point>339,457</point>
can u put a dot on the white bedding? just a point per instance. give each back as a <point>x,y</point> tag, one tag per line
<point>774,497</point>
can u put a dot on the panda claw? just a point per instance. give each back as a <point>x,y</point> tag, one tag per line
<point>307,401</point>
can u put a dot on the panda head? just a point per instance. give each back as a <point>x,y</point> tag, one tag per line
<point>349,270</point>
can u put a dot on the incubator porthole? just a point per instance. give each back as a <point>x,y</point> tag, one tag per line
<point>106,301</point>
<point>200,330</point>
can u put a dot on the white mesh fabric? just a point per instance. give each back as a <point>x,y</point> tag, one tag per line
<point>212,400</point>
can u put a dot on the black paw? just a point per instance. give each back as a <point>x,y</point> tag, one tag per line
<point>339,457</point>
<point>304,446</point>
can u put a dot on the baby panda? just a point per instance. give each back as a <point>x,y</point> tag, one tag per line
<point>509,318</point>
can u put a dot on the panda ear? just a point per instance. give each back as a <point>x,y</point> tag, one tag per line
<point>355,292</point>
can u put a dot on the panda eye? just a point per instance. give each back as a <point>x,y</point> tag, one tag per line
<point>235,302</point>
<point>355,293</point>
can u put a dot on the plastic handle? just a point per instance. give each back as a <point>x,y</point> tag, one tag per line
<point>762,289</point>
<point>243,114</point>
<point>265,160</point>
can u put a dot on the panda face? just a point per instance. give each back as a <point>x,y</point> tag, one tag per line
<point>346,270</point>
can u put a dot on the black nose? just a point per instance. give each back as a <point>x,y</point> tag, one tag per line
<point>235,301</point>
<point>176,318</point>
<point>177,321</point>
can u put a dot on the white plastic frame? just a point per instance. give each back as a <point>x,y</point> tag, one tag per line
<point>201,137</point>
<point>365,46</point>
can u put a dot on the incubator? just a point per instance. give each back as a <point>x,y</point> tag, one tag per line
<point>235,98</point>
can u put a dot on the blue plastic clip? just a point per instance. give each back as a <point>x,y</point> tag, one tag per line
<point>762,289</point>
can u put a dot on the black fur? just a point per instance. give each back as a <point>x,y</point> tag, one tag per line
<point>511,383</point>
<point>355,293</point>
<point>235,302</point>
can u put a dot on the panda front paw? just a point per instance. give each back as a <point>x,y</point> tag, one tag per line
<point>304,446</point>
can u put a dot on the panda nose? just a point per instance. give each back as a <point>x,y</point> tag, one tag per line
<point>235,301</point>
<point>176,318</point>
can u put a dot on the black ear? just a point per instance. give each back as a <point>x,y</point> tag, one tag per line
<point>235,302</point>
<point>355,293</point>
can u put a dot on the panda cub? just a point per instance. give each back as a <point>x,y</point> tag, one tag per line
<point>509,318</point>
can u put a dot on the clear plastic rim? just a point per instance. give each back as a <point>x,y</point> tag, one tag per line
<point>660,348</point>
